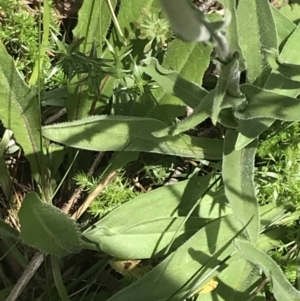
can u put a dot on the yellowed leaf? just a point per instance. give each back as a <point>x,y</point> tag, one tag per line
<point>208,287</point>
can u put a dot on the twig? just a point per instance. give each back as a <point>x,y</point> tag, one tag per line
<point>93,195</point>
<point>34,264</point>
<point>54,117</point>
<point>79,190</point>
<point>258,289</point>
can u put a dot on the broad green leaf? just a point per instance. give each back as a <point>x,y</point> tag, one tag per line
<point>190,60</point>
<point>276,83</point>
<point>284,26</point>
<point>94,19</point>
<point>263,103</point>
<point>251,129</point>
<point>120,133</point>
<point>257,35</point>
<point>193,261</point>
<point>130,11</point>
<point>291,10</point>
<point>166,107</point>
<point>47,228</point>
<point>290,53</point>
<point>19,111</point>
<point>282,288</point>
<point>238,178</point>
<point>172,83</point>
<point>289,70</point>
<point>157,222</point>
<point>236,281</point>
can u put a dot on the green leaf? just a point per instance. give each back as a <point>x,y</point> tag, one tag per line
<point>238,178</point>
<point>173,84</point>
<point>47,228</point>
<point>263,103</point>
<point>282,288</point>
<point>236,281</point>
<point>284,26</point>
<point>251,129</point>
<point>94,20</point>
<point>228,73</point>
<point>277,83</point>
<point>120,133</point>
<point>131,11</point>
<point>291,10</point>
<point>194,260</point>
<point>232,34</point>
<point>5,177</point>
<point>184,57</point>
<point>290,53</point>
<point>256,35</point>
<point>19,111</point>
<point>200,113</point>
<point>79,100</point>
<point>157,222</point>
<point>7,231</point>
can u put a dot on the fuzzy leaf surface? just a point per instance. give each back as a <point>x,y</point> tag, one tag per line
<point>267,104</point>
<point>157,221</point>
<point>282,288</point>
<point>197,257</point>
<point>238,177</point>
<point>260,24</point>
<point>119,133</point>
<point>19,111</point>
<point>47,228</point>
<point>236,281</point>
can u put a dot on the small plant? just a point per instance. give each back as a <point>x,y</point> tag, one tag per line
<point>155,29</point>
<point>118,192</point>
<point>19,32</point>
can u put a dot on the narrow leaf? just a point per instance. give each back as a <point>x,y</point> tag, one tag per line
<point>94,19</point>
<point>238,177</point>
<point>46,228</point>
<point>232,34</point>
<point>282,288</point>
<point>262,30</point>
<point>120,133</point>
<point>228,72</point>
